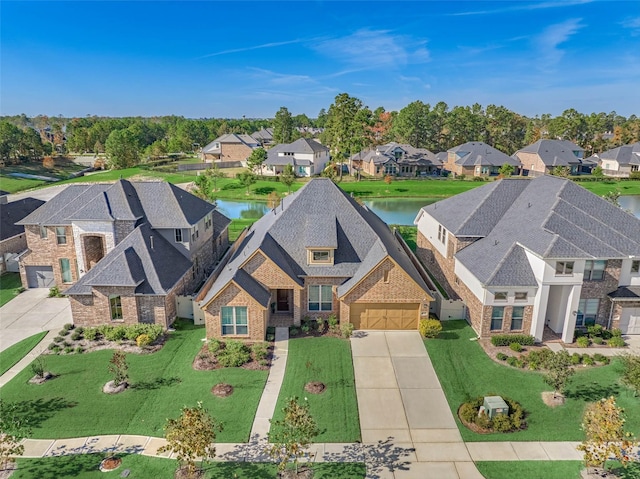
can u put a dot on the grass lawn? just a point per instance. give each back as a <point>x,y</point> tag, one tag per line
<point>16,352</point>
<point>86,466</point>
<point>11,184</point>
<point>547,469</point>
<point>9,287</point>
<point>236,227</point>
<point>336,409</point>
<point>73,404</point>
<point>465,372</point>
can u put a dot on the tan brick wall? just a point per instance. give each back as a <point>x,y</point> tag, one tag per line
<point>527,159</point>
<point>95,310</point>
<point>440,267</point>
<point>600,289</point>
<point>234,152</point>
<point>15,244</point>
<point>94,247</point>
<point>46,252</point>
<point>232,295</point>
<point>304,297</point>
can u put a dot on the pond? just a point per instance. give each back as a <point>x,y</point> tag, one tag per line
<point>396,211</point>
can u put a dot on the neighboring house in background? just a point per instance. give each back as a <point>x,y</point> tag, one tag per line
<point>397,160</point>
<point>543,156</point>
<point>12,236</point>
<point>231,147</point>
<point>476,158</point>
<point>308,158</point>
<point>620,161</point>
<point>528,254</point>
<point>264,137</point>
<point>123,251</point>
<point>319,253</point>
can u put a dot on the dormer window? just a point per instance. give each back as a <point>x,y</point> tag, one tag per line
<point>635,266</point>
<point>321,256</point>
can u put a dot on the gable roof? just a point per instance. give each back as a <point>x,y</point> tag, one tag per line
<point>300,146</point>
<point>143,260</point>
<point>553,152</point>
<point>410,155</point>
<point>477,153</point>
<point>362,239</point>
<point>624,155</point>
<point>11,213</point>
<point>162,204</point>
<point>549,217</point>
<point>230,138</point>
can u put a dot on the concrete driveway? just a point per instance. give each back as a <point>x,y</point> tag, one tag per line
<point>401,402</point>
<point>29,313</point>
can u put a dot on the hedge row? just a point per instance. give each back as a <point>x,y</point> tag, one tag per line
<point>507,339</point>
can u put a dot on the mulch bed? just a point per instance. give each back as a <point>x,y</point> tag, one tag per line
<point>222,390</point>
<point>492,350</point>
<point>473,426</point>
<point>551,400</point>
<point>315,387</point>
<point>314,332</point>
<point>98,345</point>
<point>110,463</point>
<point>206,361</point>
<point>41,379</point>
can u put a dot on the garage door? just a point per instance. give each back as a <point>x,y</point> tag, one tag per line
<point>630,321</point>
<point>384,316</point>
<point>40,276</point>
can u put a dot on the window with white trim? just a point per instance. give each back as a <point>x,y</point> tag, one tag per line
<point>500,296</point>
<point>442,234</point>
<point>320,297</point>
<point>178,234</point>
<point>521,296</point>
<point>65,270</point>
<point>497,315</point>
<point>635,266</point>
<point>234,320</point>
<point>43,232</point>
<point>594,270</point>
<point>115,305</point>
<point>587,312</point>
<point>564,268</point>
<point>517,316</point>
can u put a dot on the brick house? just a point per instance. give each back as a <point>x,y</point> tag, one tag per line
<point>397,160</point>
<point>525,255</point>
<point>541,157</point>
<point>122,251</point>
<point>319,253</point>
<point>308,158</point>
<point>476,158</point>
<point>13,239</point>
<point>619,162</point>
<point>231,147</point>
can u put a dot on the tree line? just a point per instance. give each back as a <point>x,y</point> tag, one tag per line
<point>347,127</point>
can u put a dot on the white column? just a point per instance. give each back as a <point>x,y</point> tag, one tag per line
<point>539,312</point>
<point>571,314</point>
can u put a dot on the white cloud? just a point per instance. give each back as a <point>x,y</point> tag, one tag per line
<point>281,78</point>
<point>632,24</point>
<point>370,49</point>
<point>524,7</point>
<point>254,47</point>
<point>549,41</point>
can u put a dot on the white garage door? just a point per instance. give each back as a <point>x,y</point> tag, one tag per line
<point>630,321</point>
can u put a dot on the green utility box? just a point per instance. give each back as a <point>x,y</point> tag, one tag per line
<point>494,405</point>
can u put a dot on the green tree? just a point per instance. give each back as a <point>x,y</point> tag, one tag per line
<point>613,197</point>
<point>603,425</point>
<point>292,435</point>
<point>288,177</point>
<point>214,174</point>
<point>559,372</point>
<point>256,160</point>
<point>247,178</point>
<point>12,430</point>
<point>631,372</point>
<point>122,149</point>
<point>411,125</point>
<point>506,170</point>
<point>191,436</point>
<point>597,172</point>
<point>561,171</point>
<point>283,126</point>
<point>119,368</point>
<point>10,138</point>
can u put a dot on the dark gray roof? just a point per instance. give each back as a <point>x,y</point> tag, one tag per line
<point>626,293</point>
<point>320,231</point>
<point>164,205</point>
<point>220,222</point>
<point>550,217</point>
<point>477,153</point>
<point>362,239</point>
<point>136,262</point>
<point>13,212</point>
<point>410,155</point>
<point>554,152</point>
<point>624,155</point>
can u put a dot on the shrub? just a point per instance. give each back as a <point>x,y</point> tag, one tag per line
<point>507,339</point>
<point>583,342</point>
<point>482,420</point>
<point>616,342</point>
<point>517,347</point>
<point>616,333</point>
<point>68,350</point>
<point>91,334</point>
<point>294,331</point>
<point>76,336</point>
<point>468,413</point>
<point>347,330</point>
<point>461,177</point>
<point>576,359</point>
<point>271,337</point>
<point>305,328</point>
<point>214,345</point>
<point>512,361</point>
<point>587,360</point>
<point>260,351</point>
<point>502,356</point>
<point>599,357</point>
<point>53,346</point>
<point>58,339</point>
<point>234,354</point>
<point>478,178</point>
<point>79,350</point>
<point>79,329</point>
<point>143,340</point>
<point>332,321</point>
<point>56,349</point>
<point>595,330</point>
<point>63,332</point>
<point>501,423</point>
<point>631,372</point>
<point>54,292</point>
<point>67,327</point>
<point>598,340</point>
<point>37,367</point>
<point>429,328</point>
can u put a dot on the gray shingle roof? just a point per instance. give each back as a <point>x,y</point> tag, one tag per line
<point>134,262</point>
<point>554,152</point>
<point>362,239</point>
<point>626,293</point>
<point>624,155</point>
<point>551,217</point>
<point>13,212</point>
<point>477,153</point>
<point>410,155</point>
<point>320,231</point>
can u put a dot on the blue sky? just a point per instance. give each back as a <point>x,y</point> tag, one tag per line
<point>229,59</point>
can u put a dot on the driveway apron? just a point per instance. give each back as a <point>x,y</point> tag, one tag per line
<point>400,401</point>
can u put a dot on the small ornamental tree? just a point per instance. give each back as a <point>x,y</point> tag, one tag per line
<point>603,425</point>
<point>214,174</point>
<point>190,436</point>
<point>506,170</point>
<point>292,435</point>
<point>388,179</point>
<point>559,372</point>
<point>247,178</point>
<point>119,368</point>
<point>256,159</point>
<point>12,430</point>
<point>631,372</point>
<point>288,177</point>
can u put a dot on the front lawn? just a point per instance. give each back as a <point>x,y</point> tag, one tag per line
<point>9,287</point>
<point>16,352</point>
<point>465,372</point>
<point>336,409</point>
<point>548,469</point>
<point>73,405</point>
<point>86,466</point>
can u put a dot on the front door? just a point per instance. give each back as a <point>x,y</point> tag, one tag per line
<point>282,299</point>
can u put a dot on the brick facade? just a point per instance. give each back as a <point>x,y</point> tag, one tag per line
<point>599,289</point>
<point>443,269</point>
<point>533,163</point>
<point>234,152</point>
<point>16,244</point>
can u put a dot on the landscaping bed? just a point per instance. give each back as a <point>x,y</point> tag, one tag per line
<point>160,384</point>
<point>465,372</point>
<point>320,327</point>
<point>328,361</point>
<point>216,354</point>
